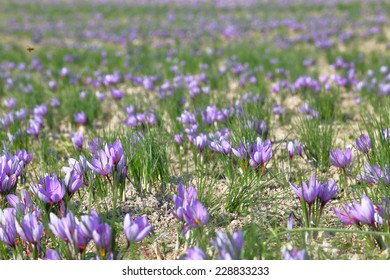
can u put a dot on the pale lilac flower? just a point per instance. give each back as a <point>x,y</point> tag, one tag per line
<point>195,253</point>
<point>363,143</point>
<point>228,246</point>
<point>80,118</point>
<point>136,230</point>
<point>78,141</point>
<point>293,254</point>
<point>340,159</point>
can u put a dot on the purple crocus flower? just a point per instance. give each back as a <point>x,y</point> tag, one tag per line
<point>210,115</point>
<point>357,213</point>
<point>131,121</point>
<point>10,103</point>
<point>340,159</point>
<point>136,230</point>
<point>49,189</point>
<point>293,254</point>
<point>308,192</point>
<point>78,141</point>
<point>52,85</point>
<point>80,118</point>
<point>22,205</point>
<point>52,255</point>
<point>261,153</point>
<point>195,215</point>
<point>101,164</point>
<point>117,94</point>
<point>290,149</point>
<point>179,138</point>
<point>298,148</point>
<point>195,253</point>
<point>34,128</point>
<point>30,230</point>
<point>40,110</point>
<point>54,103</point>
<point>261,127</point>
<point>240,151</point>
<point>8,178</point>
<point>184,197</point>
<point>187,118</point>
<point>7,226</point>
<point>21,114</point>
<point>102,238</point>
<point>363,143</point>
<point>64,227</point>
<point>201,141</point>
<point>327,192</point>
<point>220,146</point>
<point>89,223</point>
<point>229,246</point>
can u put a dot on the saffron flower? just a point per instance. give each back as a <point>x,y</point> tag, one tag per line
<point>75,174</point>
<point>290,149</point>
<point>30,230</point>
<point>195,214</point>
<point>78,141</point>
<point>327,192</point>
<point>357,213</point>
<point>49,189</point>
<point>52,255</point>
<point>179,138</point>
<point>240,151</point>
<point>340,159</point>
<point>7,226</point>
<point>195,253</point>
<point>64,227</point>
<point>23,205</point>
<point>201,141</point>
<point>80,118</point>
<point>261,153</point>
<point>117,94</point>
<point>188,208</point>
<point>363,143</point>
<point>228,246</point>
<point>136,230</point>
<point>293,254</point>
<point>102,238</point>
<point>294,148</point>
<point>101,164</point>
<point>308,192</point>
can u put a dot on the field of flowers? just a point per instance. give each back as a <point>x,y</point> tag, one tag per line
<point>178,129</point>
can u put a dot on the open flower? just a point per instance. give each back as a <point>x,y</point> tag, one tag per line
<point>308,192</point>
<point>357,213</point>
<point>340,159</point>
<point>49,189</point>
<point>29,229</point>
<point>136,230</point>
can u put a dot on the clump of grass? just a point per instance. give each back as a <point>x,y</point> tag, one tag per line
<point>318,138</point>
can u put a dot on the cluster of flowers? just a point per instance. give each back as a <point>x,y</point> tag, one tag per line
<point>11,168</point>
<point>188,209</point>
<point>259,153</point>
<point>315,190</point>
<point>24,219</point>
<point>136,119</point>
<point>227,246</point>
